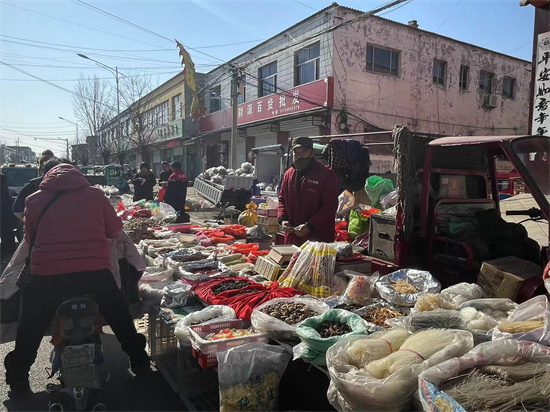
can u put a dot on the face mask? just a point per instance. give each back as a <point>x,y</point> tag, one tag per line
<point>302,163</point>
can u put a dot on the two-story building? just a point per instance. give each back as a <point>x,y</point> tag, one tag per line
<point>165,126</point>
<point>335,73</point>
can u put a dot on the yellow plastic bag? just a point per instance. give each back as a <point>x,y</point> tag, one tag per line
<point>249,217</point>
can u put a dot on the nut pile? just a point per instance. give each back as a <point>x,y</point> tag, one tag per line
<point>140,228</point>
<point>349,306</point>
<point>330,329</point>
<point>229,285</point>
<point>289,312</point>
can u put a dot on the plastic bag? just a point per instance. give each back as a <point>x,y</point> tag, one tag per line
<point>214,313</point>
<point>314,348</point>
<point>360,287</point>
<point>164,212</point>
<point>176,295</point>
<point>352,389</point>
<point>423,281</point>
<point>358,224</point>
<point>535,308</point>
<point>154,291</point>
<point>497,308</point>
<point>249,377</point>
<point>152,274</point>
<point>376,187</point>
<point>310,268</point>
<point>463,292</point>
<point>249,218</point>
<point>501,352</point>
<point>338,283</point>
<point>390,199</point>
<point>277,328</point>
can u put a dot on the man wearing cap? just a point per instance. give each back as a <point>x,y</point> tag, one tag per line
<point>308,198</point>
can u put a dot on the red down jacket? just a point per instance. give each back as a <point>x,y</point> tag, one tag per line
<point>73,233</point>
<point>315,203</point>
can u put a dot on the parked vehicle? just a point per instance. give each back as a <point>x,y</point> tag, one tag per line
<point>19,175</point>
<point>110,175</point>
<point>510,184</point>
<point>77,358</point>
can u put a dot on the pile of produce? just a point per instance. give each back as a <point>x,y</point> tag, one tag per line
<point>403,287</point>
<point>139,228</point>
<point>379,316</point>
<point>229,285</point>
<point>329,329</point>
<point>289,312</point>
<point>352,307</point>
<point>230,334</point>
<point>219,174</point>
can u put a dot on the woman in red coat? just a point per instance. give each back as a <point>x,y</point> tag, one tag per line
<point>71,257</point>
<point>308,198</point>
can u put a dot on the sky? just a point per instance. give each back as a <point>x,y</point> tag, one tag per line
<point>42,39</point>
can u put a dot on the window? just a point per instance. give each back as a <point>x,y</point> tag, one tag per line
<point>464,81</point>
<point>215,99</point>
<point>307,64</point>
<point>381,60</point>
<point>176,107</point>
<point>440,72</point>
<point>486,82</point>
<point>508,87</point>
<point>241,97</point>
<point>268,79</point>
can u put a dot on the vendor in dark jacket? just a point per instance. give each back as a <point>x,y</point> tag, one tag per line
<point>144,182</point>
<point>166,172</point>
<point>176,189</point>
<point>308,197</point>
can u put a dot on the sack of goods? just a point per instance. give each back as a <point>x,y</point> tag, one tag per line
<point>321,332</point>
<point>249,377</point>
<point>405,286</point>
<point>504,375</point>
<point>382,375</point>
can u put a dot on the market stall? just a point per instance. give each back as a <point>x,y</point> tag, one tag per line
<point>237,325</point>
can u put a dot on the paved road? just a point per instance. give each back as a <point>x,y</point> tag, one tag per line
<point>123,392</point>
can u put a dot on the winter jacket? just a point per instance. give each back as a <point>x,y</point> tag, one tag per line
<point>314,202</point>
<point>145,190</point>
<point>73,235</point>
<point>176,191</point>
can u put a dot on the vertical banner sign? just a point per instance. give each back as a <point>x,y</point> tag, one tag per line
<point>541,106</point>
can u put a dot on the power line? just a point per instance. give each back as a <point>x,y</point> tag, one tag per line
<point>78,24</point>
<point>450,14</point>
<point>99,78</point>
<point>138,27</point>
<point>36,77</point>
<point>397,8</point>
<point>306,5</point>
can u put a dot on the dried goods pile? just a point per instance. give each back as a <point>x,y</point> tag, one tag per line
<point>380,316</point>
<point>229,285</point>
<point>290,312</point>
<point>329,329</point>
<point>402,287</point>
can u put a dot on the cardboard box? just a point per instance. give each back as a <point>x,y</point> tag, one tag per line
<point>361,266</point>
<point>266,212</point>
<point>270,229</point>
<point>268,221</point>
<point>504,277</point>
<point>267,268</point>
<point>282,254</point>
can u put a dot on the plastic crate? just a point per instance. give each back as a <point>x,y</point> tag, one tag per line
<point>142,324</point>
<point>238,182</point>
<point>167,365</point>
<point>192,378</point>
<point>161,335</point>
<point>205,351</point>
<point>207,401</point>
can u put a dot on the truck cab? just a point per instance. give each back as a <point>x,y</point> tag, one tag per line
<point>19,175</point>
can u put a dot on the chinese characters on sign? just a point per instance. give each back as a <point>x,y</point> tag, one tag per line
<point>541,107</point>
<point>275,105</point>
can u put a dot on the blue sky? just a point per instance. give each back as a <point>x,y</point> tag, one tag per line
<point>43,37</point>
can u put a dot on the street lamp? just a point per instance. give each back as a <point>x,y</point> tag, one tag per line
<point>115,72</point>
<point>76,141</point>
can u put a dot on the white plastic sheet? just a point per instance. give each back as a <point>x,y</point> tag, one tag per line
<point>423,281</point>
<point>214,313</point>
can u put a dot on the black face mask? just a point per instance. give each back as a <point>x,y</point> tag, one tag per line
<point>302,163</point>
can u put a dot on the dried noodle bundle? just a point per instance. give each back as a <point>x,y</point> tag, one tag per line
<point>520,326</point>
<point>417,348</point>
<point>366,350</point>
<point>432,301</point>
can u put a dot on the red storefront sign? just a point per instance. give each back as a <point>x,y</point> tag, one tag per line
<point>173,143</point>
<point>309,96</point>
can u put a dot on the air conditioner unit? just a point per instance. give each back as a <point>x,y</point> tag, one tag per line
<point>491,100</point>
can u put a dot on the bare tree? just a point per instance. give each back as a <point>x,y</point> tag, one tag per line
<point>144,119</point>
<point>93,106</point>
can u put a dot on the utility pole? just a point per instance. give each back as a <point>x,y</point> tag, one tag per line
<point>235,80</point>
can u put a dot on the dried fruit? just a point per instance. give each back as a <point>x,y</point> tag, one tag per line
<point>330,329</point>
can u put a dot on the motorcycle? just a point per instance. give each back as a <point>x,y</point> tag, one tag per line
<point>77,358</point>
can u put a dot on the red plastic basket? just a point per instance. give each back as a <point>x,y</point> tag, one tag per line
<point>206,351</point>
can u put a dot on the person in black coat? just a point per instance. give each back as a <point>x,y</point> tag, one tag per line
<point>144,182</point>
<point>8,218</point>
<point>166,172</point>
